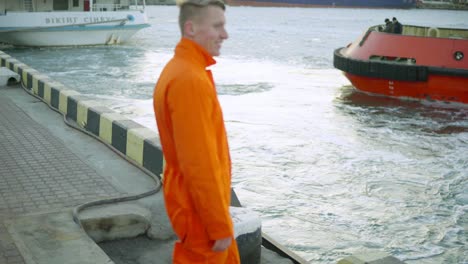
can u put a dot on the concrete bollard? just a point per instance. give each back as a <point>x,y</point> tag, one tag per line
<point>7,76</point>
<point>371,257</point>
<point>248,234</point>
<point>115,221</point>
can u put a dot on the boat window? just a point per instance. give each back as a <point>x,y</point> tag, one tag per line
<point>76,3</point>
<point>399,60</point>
<point>60,4</point>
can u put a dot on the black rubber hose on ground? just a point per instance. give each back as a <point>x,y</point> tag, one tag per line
<point>81,207</point>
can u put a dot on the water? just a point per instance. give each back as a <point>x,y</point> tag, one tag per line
<point>331,171</point>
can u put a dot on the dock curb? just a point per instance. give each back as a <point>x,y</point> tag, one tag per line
<point>138,143</point>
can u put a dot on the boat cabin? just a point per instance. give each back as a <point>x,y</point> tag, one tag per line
<point>69,5</point>
<point>421,32</point>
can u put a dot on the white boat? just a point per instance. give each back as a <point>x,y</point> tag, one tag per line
<point>70,22</point>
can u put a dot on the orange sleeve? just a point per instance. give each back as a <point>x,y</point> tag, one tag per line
<point>193,109</point>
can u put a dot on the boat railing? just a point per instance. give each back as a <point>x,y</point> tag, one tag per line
<point>136,7</point>
<point>436,32</point>
<point>107,7</point>
<point>376,28</point>
<point>419,31</point>
<point>116,7</point>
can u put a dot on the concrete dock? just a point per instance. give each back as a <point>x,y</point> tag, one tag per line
<point>46,166</point>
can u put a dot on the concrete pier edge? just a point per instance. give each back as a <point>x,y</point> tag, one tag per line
<point>138,143</point>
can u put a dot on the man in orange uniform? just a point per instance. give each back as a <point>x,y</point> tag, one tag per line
<point>197,176</point>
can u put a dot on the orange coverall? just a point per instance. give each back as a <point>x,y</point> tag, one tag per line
<point>197,175</point>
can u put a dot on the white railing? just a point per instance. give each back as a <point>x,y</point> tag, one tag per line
<point>107,7</point>
<point>28,6</point>
<point>136,7</point>
<point>116,7</point>
<point>133,5</point>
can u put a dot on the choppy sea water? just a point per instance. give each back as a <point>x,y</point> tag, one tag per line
<point>331,171</point>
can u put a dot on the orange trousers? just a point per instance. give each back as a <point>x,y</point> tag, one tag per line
<point>195,247</point>
<point>204,255</point>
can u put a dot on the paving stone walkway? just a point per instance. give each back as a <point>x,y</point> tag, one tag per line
<point>38,173</point>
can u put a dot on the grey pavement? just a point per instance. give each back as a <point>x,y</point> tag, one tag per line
<point>48,166</point>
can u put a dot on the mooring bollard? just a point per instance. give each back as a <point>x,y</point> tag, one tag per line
<point>7,76</point>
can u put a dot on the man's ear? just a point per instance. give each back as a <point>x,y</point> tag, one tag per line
<point>189,29</point>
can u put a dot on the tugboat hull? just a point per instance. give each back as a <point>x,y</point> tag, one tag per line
<point>422,63</point>
<point>455,91</point>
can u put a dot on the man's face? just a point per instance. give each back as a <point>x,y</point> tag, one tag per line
<point>209,30</point>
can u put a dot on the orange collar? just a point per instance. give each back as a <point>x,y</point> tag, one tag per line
<point>191,50</point>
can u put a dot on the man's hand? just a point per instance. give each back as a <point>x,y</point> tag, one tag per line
<point>222,244</point>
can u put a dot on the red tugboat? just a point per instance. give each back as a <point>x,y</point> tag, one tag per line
<point>422,63</point>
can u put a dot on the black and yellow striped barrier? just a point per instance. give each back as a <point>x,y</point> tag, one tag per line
<point>133,140</point>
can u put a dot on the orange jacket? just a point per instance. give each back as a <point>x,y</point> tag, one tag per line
<point>197,176</point>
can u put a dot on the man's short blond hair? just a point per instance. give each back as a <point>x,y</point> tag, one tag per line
<point>189,9</point>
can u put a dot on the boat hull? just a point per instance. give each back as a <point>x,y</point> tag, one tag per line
<point>422,63</point>
<point>70,28</point>
<point>436,88</point>
<point>327,3</point>
<point>69,38</point>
